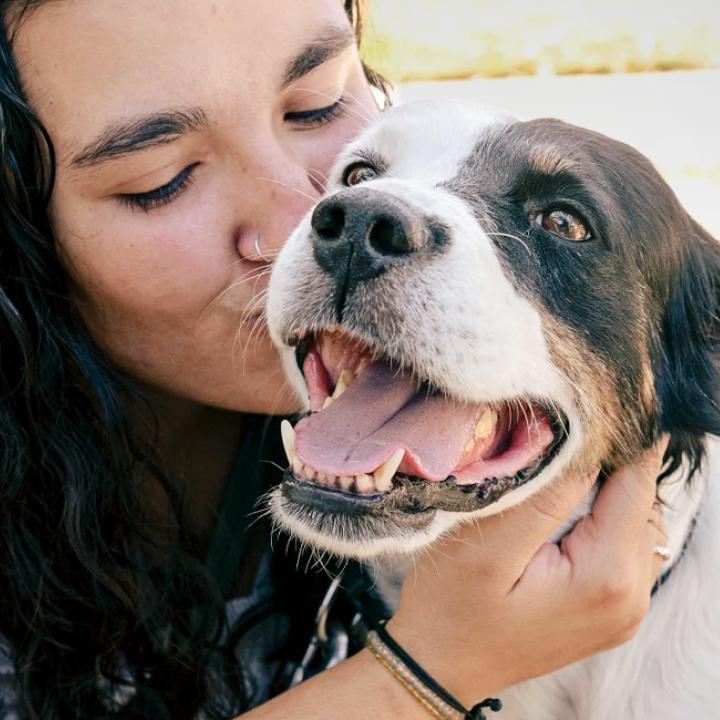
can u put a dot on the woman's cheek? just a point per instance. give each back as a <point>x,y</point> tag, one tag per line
<point>169,261</point>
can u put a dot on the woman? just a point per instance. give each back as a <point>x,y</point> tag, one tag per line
<point>154,157</point>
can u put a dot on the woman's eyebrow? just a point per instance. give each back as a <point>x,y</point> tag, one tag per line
<point>329,43</point>
<point>139,133</point>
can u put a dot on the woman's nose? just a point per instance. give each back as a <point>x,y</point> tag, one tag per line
<point>288,192</point>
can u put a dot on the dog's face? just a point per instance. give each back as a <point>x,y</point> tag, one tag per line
<point>477,306</point>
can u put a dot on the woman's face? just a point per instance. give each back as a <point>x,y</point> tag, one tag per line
<point>188,136</point>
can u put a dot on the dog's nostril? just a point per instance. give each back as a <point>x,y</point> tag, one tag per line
<point>328,221</point>
<point>388,237</point>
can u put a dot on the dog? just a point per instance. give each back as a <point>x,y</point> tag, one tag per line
<point>477,306</point>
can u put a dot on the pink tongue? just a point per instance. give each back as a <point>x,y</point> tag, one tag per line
<point>379,413</point>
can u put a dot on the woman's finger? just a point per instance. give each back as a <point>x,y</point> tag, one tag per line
<point>617,522</point>
<point>522,529</point>
<point>656,538</point>
<point>626,499</point>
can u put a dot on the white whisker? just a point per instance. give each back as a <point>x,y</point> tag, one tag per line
<point>512,237</point>
<point>289,187</point>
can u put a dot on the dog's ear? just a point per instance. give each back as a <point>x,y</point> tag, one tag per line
<point>687,383</point>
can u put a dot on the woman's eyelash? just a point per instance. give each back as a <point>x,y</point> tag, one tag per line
<point>162,195</point>
<point>318,116</point>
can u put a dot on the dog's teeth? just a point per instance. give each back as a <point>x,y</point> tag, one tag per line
<point>346,377</point>
<point>364,483</point>
<point>345,482</point>
<point>384,474</point>
<point>297,468</point>
<point>288,440</point>
<point>486,425</point>
<point>483,430</point>
<point>328,402</point>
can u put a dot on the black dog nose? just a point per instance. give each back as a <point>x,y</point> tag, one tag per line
<point>385,230</point>
<point>359,233</point>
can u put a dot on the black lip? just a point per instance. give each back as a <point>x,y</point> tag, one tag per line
<point>302,348</point>
<point>413,497</point>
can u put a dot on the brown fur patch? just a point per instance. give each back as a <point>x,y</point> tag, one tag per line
<point>548,160</point>
<point>614,415</point>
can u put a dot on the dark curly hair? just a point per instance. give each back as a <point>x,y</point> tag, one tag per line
<point>84,581</point>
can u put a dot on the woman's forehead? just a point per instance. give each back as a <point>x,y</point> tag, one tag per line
<point>86,65</point>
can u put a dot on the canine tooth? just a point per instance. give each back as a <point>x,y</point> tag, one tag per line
<point>288,440</point>
<point>328,402</point>
<point>297,468</point>
<point>384,474</point>
<point>383,484</point>
<point>346,377</point>
<point>364,483</point>
<point>345,482</point>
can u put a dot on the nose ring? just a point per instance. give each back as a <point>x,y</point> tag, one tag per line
<point>258,251</point>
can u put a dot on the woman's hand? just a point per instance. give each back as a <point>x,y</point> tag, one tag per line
<point>495,603</point>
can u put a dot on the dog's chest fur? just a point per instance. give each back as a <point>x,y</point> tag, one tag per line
<point>671,669</point>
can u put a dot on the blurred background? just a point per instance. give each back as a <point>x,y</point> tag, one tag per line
<point>644,71</point>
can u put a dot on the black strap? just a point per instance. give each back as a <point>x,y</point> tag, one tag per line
<point>361,590</point>
<point>475,713</point>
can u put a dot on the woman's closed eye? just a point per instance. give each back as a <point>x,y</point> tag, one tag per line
<point>165,194</point>
<point>162,195</point>
<point>316,117</point>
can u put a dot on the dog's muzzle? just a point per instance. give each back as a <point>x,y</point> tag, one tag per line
<point>359,233</point>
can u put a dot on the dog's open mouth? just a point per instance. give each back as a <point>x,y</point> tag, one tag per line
<point>380,439</point>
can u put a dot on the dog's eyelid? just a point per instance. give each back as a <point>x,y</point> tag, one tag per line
<point>370,158</point>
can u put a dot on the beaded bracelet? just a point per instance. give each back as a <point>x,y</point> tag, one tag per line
<point>432,696</point>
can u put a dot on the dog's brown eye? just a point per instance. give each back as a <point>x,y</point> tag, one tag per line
<point>563,224</point>
<point>358,173</point>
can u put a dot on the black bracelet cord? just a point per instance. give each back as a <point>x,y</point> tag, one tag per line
<point>475,713</point>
